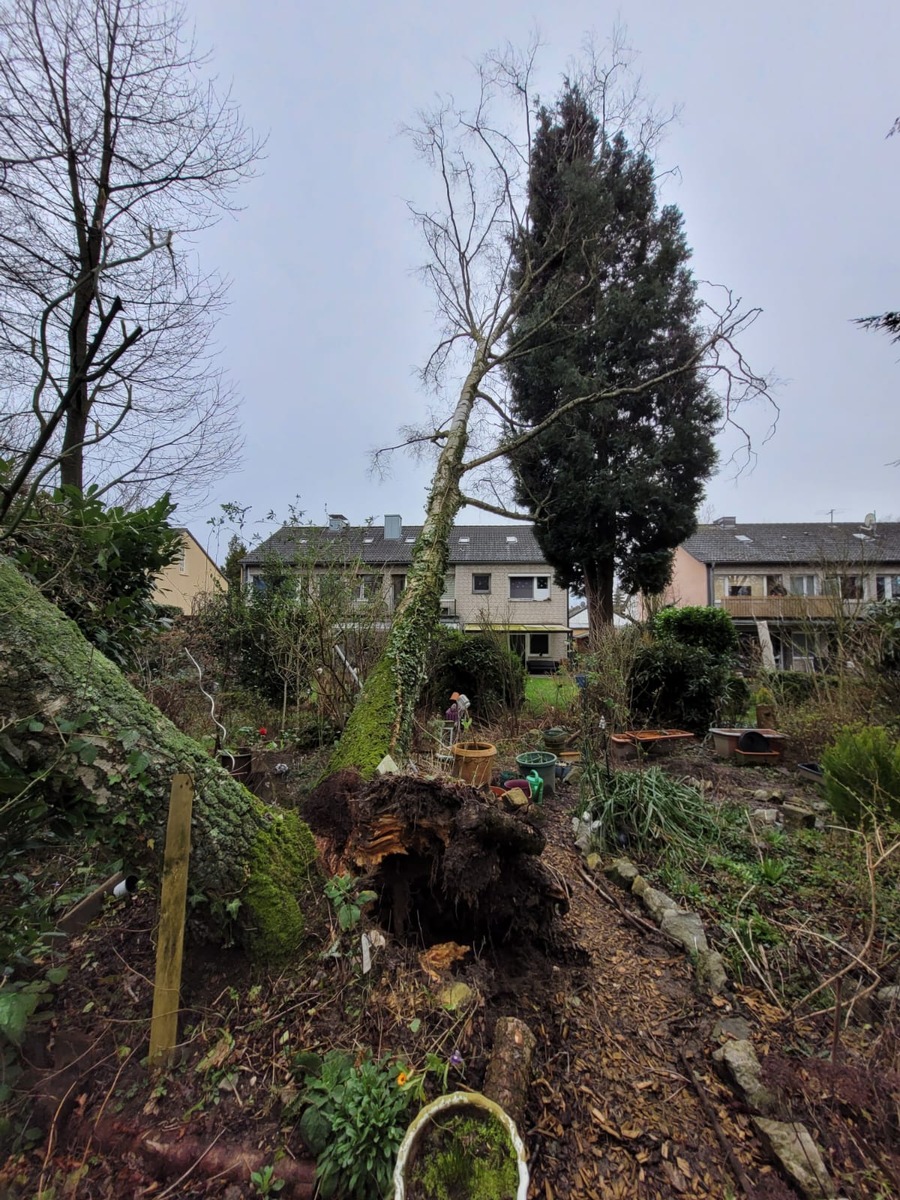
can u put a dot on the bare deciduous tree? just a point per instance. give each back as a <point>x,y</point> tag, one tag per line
<point>480,159</point>
<point>112,142</point>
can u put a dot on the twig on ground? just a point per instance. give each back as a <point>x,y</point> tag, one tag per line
<point>196,1163</point>
<point>727,1148</point>
<point>639,923</point>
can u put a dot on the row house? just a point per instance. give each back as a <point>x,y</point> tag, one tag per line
<point>496,580</point>
<point>786,585</point>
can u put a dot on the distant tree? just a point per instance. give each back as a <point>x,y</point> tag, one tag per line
<point>114,151</point>
<point>614,485</point>
<point>888,322</point>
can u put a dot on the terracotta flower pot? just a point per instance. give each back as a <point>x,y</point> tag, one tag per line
<point>474,762</point>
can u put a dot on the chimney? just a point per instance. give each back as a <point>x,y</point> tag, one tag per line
<point>725,521</point>
<point>393,527</point>
<point>337,522</point>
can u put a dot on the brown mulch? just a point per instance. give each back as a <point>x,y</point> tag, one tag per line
<point>612,1112</point>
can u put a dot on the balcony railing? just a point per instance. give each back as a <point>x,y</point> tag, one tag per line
<point>790,608</point>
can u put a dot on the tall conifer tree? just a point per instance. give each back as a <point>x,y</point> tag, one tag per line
<point>613,486</point>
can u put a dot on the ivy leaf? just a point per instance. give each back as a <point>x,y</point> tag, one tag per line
<point>15,1009</point>
<point>88,753</point>
<point>138,762</point>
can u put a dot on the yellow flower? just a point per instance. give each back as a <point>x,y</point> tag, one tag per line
<point>402,1078</point>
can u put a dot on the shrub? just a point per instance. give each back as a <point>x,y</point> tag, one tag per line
<point>862,775</point>
<point>479,666</point>
<point>697,625</point>
<point>674,685</point>
<point>98,564</point>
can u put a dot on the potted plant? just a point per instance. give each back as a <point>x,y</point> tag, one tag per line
<point>461,1145</point>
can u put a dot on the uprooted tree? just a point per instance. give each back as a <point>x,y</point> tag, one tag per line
<point>484,268</point>
<point>80,746</point>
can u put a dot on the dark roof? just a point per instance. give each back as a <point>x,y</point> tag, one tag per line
<point>807,544</point>
<point>488,544</point>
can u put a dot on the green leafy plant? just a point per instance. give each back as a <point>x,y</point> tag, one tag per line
<point>353,1121</point>
<point>347,901</point>
<point>648,811</point>
<point>862,775</point>
<point>772,870</point>
<point>98,564</point>
<point>264,1182</point>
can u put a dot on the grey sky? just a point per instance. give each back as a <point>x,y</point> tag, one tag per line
<point>788,186</point>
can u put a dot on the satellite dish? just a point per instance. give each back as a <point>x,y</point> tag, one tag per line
<point>870,520</point>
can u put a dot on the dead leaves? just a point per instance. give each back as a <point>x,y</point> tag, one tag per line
<point>441,958</point>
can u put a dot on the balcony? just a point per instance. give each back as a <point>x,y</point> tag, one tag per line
<point>448,610</point>
<point>789,608</point>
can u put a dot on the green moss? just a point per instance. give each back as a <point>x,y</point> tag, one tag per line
<point>281,866</point>
<point>240,848</point>
<point>467,1157</point>
<point>368,735</point>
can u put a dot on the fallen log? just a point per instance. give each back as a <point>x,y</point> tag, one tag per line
<point>168,1156</point>
<point>509,1070</point>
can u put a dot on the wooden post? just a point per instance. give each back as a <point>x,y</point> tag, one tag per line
<point>170,944</point>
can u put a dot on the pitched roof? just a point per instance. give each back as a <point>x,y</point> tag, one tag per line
<point>806,544</point>
<point>487,544</point>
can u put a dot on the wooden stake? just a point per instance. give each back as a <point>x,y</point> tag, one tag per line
<point>170,946</point>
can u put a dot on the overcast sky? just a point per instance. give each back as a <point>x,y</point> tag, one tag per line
<point>788,186</point>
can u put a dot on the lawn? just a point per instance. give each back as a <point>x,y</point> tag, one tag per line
<point>544,693</point>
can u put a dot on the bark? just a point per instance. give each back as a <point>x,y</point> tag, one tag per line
<point>382,719</point>
<point>599,583</point>
<point>509,1070</point>
<point>180,1154</point>
<point>95,749</point>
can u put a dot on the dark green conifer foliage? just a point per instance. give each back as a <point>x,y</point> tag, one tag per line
<point>613,486</point>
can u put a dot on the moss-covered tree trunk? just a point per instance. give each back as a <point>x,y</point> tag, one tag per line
<point>92,744</point>
<point>382,719</point>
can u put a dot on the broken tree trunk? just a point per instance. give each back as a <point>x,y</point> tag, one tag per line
<point>96,750</point>
<point>509,1070</point>
<point>382,719</point>
<point>447,859</point>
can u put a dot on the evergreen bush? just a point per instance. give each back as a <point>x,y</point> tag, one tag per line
<point>678,686</point>
<point>697,625</point>
<point>862,775</point>
<point>478,665</point>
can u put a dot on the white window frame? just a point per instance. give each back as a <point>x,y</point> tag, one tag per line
<point>809,586</point>
<point>887,587</point>
<point>538,593</point>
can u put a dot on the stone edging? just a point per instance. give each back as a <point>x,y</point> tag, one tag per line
<point>789,1142</point>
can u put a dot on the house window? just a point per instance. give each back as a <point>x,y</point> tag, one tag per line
<point>848,587</point>
<point>529,587</point>
<point>775,586</point>
<point>481,584</point>
<point>740,589</point>
<point>540,643</point>
<point>802,585</point>
<point>887,587</point>
<point>181,560</point>
<point>366,587</point>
